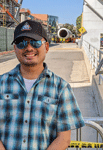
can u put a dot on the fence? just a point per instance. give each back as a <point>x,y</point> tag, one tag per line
<point>6,38</point>
<point>94,55</point>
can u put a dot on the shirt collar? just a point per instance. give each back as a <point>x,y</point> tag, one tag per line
<point>15,72</point>
<point>46,71</point>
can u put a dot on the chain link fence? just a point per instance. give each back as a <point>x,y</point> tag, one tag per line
<point>6,38</point>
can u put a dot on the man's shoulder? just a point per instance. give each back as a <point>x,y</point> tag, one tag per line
<point>4,78</point>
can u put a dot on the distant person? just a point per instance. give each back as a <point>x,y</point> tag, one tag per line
<point>37,108</point>
<point>63,40</point>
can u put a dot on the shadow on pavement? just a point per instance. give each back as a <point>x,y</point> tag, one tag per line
<point>54,44</point>
<point>6,57</point>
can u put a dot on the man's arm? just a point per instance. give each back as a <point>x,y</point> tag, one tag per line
<point>1,146</point>
<point>61,142</point>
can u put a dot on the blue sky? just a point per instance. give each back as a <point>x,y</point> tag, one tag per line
<point>66,10</point>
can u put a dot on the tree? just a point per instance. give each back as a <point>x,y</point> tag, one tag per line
<point>78,23</point>
<point>70,27</point>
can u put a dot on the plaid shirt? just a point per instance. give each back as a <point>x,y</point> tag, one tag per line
<point>30,121</point>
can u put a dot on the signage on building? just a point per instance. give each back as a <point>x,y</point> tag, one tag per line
<point>82,30</point>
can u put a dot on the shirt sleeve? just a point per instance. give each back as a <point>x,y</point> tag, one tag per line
<point>68,115</point>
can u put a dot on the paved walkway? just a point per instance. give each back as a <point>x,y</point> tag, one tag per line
<point>69,64</point>
<point>67,61</point>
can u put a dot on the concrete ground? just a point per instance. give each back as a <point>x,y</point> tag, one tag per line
<point>67,61</point>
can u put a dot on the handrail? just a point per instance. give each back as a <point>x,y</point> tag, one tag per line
<point>95,55</point>
<point>93,46</point>
<point>94,123</point>
<point>99,67</point>
<point>96,126</point>
<point>98,120</point>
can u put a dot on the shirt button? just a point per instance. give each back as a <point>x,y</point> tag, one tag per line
<point>26,121</point>
<point>28,102</point>
<point>24,140</point>
<point>7,96</point>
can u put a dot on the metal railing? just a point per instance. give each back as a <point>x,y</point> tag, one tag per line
<point>95,123</point>
<point>95,56</point>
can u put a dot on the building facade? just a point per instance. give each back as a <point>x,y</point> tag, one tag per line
<point>53,22</point>
<point>93,21</point>
<point>23,14</point>
<point>49,22</point>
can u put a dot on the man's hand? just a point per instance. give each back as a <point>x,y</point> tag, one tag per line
<point>61,142</point>
<point>1,146</point>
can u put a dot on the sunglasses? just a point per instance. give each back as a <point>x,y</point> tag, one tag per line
<point>23,44</point>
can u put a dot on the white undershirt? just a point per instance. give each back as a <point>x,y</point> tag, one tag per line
<point>29,83</point>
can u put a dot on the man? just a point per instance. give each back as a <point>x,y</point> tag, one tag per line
<point>37,107</point>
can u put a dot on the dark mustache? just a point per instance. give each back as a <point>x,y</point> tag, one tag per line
<point>28,51</point>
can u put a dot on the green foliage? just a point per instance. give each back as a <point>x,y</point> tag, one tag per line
<point>78,23</point>
<point>70,27</point>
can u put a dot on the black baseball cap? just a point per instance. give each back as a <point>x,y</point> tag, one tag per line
<point>31,29</point>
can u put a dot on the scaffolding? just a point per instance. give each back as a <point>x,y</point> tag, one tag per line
<point>4,14</point>
<point>7,12</point>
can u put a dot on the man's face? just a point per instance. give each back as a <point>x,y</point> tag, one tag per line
<point>30,56</point>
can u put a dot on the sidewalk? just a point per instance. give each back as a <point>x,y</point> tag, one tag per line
<point>70,64</point>
<point>8,65</point>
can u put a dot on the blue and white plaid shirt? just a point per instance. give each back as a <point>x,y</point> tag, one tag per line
<point>30,121</point>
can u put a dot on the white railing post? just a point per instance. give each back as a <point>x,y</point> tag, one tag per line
<point>100,79</point>
<point>96,59</point>
<point>92,59</point>
<point>92,54</point>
